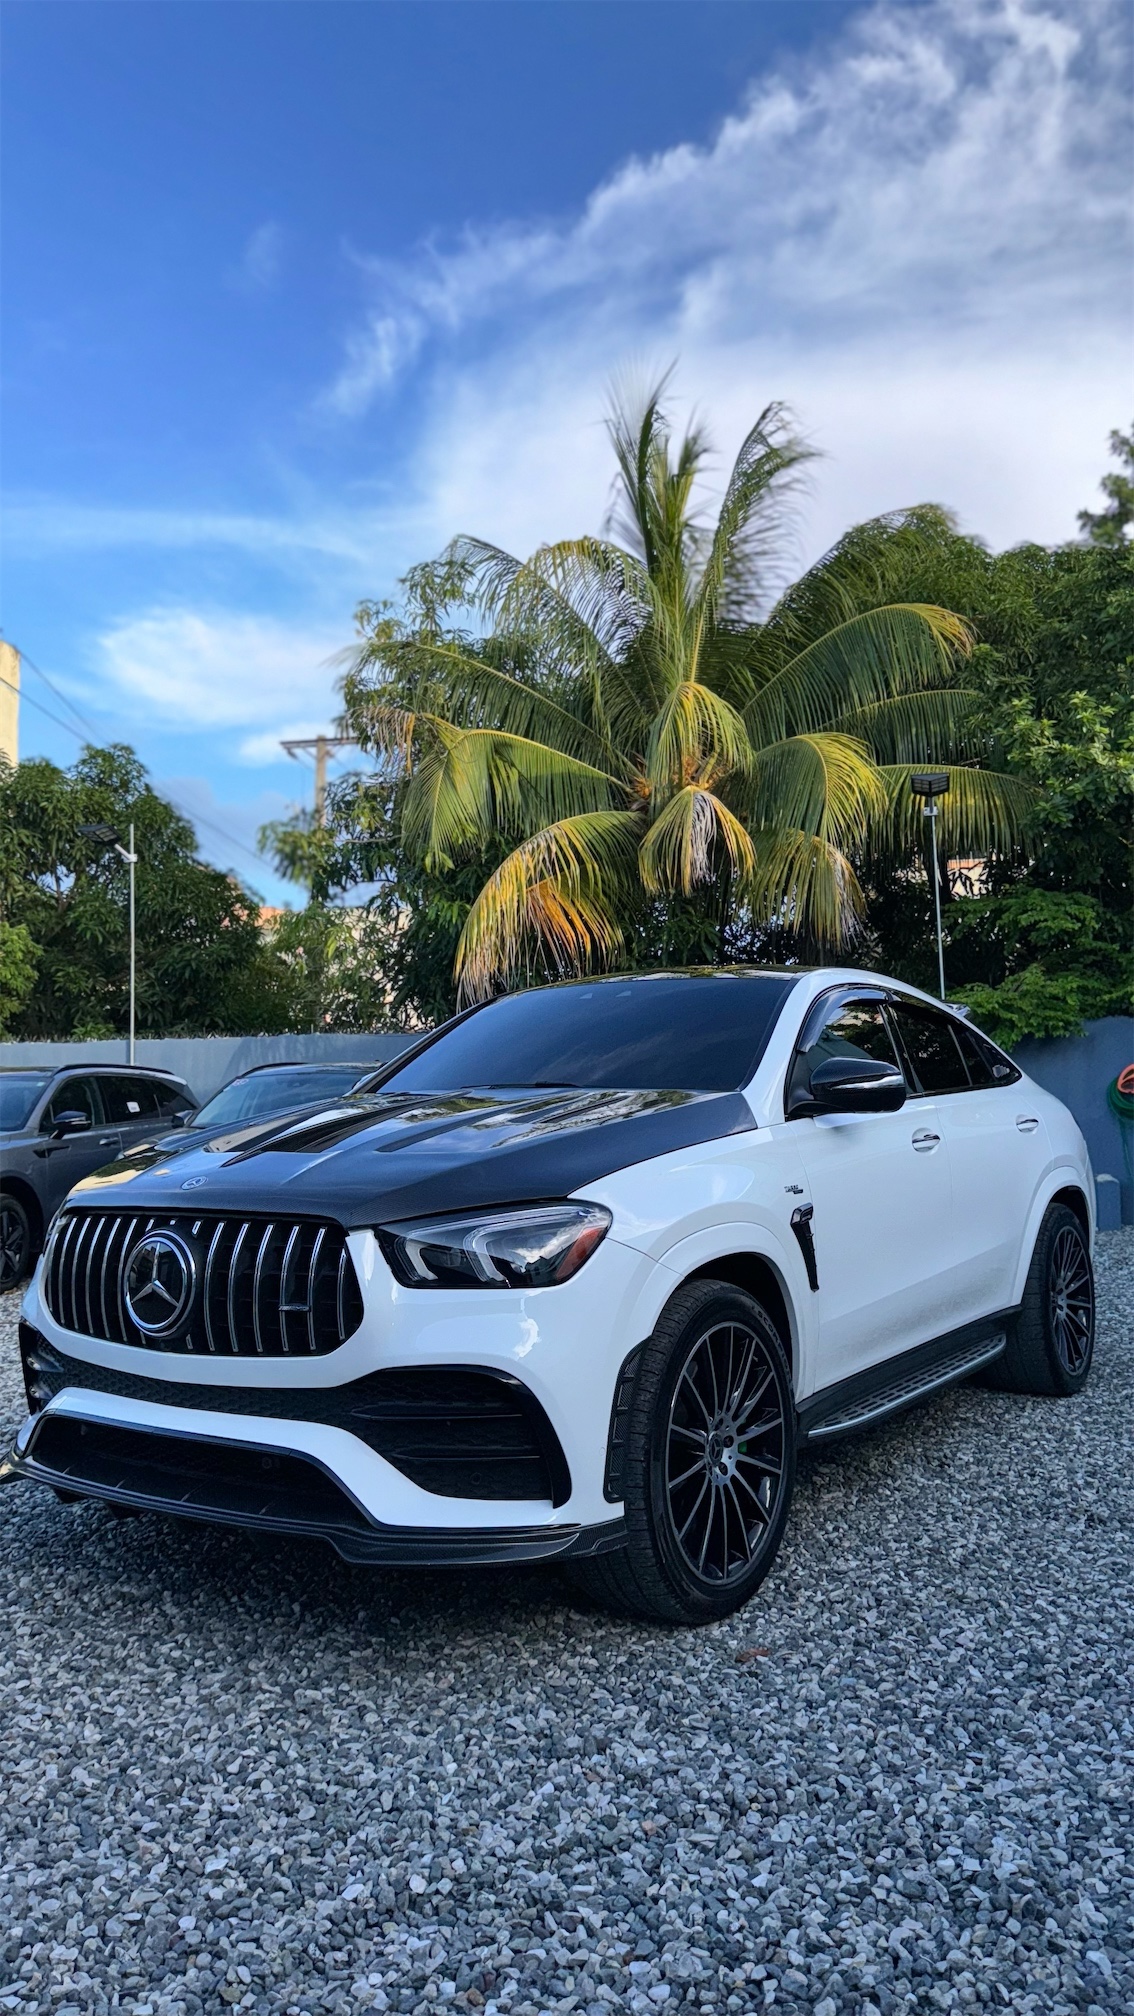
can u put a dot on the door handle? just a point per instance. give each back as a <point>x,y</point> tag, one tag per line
<point>1027,1123</point>
<point>925,1141</point>
<point>107,1140</point>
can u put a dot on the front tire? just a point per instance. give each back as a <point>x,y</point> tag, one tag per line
<point>709,1462</point>
<point>1052,1346</point>
<point>16,1247</point>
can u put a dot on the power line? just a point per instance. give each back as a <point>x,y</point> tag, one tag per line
<point>194,818</point>
<point>58,692</point>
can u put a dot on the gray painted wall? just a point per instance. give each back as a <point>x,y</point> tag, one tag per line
<point>1077,1069</point>
<point>208,1062</point>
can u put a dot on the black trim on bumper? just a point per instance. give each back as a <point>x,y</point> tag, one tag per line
<point>249,1484</point>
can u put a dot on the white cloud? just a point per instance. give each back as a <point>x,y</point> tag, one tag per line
<point>919,237</point>
<point>36,525</point>
<point>223,671</point>
<point>262,257</point>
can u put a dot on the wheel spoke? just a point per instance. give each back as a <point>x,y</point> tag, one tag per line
<point>742,1521</point>
<point>761,1508</point>
<point>696,1435</point>
<point>693,1513</point>
<point>687,1380</point>
<point>696,1469</point>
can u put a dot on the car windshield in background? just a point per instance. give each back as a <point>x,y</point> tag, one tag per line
<point>19,1091</point>
<point>691,1032</point>
<point>268,1092</point>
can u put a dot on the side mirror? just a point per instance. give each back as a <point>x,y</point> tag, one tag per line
<point>71,1122</point>
<point>180,1119</point>
<point>856,1085</point>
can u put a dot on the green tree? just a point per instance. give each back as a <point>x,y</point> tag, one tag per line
<point>649,743</point>
<point>64,941</point>
<point>1112,526</point>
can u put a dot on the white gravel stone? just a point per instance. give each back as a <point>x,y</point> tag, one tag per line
<point>246,1776</point>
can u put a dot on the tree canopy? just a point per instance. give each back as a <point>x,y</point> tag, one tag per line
<point>643,722</point>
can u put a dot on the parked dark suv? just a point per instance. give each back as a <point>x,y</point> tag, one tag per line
<point>57,1126</point>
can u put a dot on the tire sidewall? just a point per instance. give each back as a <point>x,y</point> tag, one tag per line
<point>1058,1219</point>
<point>701,1601</point>
<point>14,1205</point>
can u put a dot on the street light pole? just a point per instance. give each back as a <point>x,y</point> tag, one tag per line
<point>930,785</point>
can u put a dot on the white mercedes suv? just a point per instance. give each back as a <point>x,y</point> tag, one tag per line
<point>574,1283</point>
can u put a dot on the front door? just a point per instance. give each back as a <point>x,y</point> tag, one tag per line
<point>879,1184</point>
<point>997,1149</point>
<point>73,1156</point>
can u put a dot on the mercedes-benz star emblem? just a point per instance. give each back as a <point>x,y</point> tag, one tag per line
<point>159,1283</point>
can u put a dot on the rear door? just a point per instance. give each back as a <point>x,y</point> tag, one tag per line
<point>997,1149</point>
<point>67,1160</point>
<point>132,1103</point>
<point>879,1184</point>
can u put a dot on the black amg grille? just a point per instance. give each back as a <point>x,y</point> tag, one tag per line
<point>457,1431</point>
<point>262,1287</point>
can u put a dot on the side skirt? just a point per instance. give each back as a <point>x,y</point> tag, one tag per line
<point>898,1383</point>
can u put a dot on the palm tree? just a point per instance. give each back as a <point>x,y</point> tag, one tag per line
<point>632,722</point>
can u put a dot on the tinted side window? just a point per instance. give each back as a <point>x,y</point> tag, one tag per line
<point>171,1099</point>
<point>932,1050</point>
<point>853,1029</point>
<point>986,1065</point>
<point>129,1099</point>
<point>75,1095</point>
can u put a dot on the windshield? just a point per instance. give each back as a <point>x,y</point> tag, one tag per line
<point>268,1092</point>
<point>19,1091</point>
<point>694,1032</point>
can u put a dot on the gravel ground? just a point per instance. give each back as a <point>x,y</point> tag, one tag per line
<point>249,1777</point>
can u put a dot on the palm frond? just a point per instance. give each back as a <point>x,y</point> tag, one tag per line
<point>910,727</point>
<point>748,533</point>
<point>684,844</point>
<point>873,655</point>
<point>696,737</point>
<point>555,894</point>
<point>868,567</point>
<point>983,812</point>
<point>824,784</point>
<point>802,882</point>
<point>472,783</point>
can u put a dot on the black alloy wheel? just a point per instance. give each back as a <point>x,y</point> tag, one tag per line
<point>1071,1299</point>
<point>724,1459</point>
<point>1052,1341</point>
<point>708,1463</point>
<point>15,1241</point>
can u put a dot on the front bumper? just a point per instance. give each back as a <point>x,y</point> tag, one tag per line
<point>264,1444</point>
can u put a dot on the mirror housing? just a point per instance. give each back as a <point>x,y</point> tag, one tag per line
<point>73,1121</point>
<point>179,1119</point>
<point>853,1085</point>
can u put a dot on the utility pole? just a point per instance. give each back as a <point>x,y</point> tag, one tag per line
<point>109,836</point>
<point>319,744</point>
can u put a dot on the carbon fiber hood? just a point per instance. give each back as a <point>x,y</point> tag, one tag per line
<point>394,1155</point>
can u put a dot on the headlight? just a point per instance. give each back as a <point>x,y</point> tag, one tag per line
<point>534,1248</point>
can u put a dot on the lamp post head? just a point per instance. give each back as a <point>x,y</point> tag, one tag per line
<point>104,836</point>
<point>929,783</point>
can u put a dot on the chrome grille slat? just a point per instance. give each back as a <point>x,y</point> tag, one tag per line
<point>311,1270</point>
<point>230,1300</point>
<point>240,1306</point>
<point>257,1277</point>
<point>112,1225</point>
<point>208,1285</point>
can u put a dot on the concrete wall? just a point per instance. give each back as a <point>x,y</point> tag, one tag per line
<point>1077,1069</point>
<point>208,1062</point>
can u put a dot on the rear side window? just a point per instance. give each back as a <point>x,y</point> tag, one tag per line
<point>931,1048</point>
<point>172,1099</point>
<point>129,1099</point>
<point>987,1065</point>
<point>852,1029</point>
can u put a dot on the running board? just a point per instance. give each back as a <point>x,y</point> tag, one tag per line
<point>905,1392</point>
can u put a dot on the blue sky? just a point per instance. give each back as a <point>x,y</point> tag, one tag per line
<point>296,292</point>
